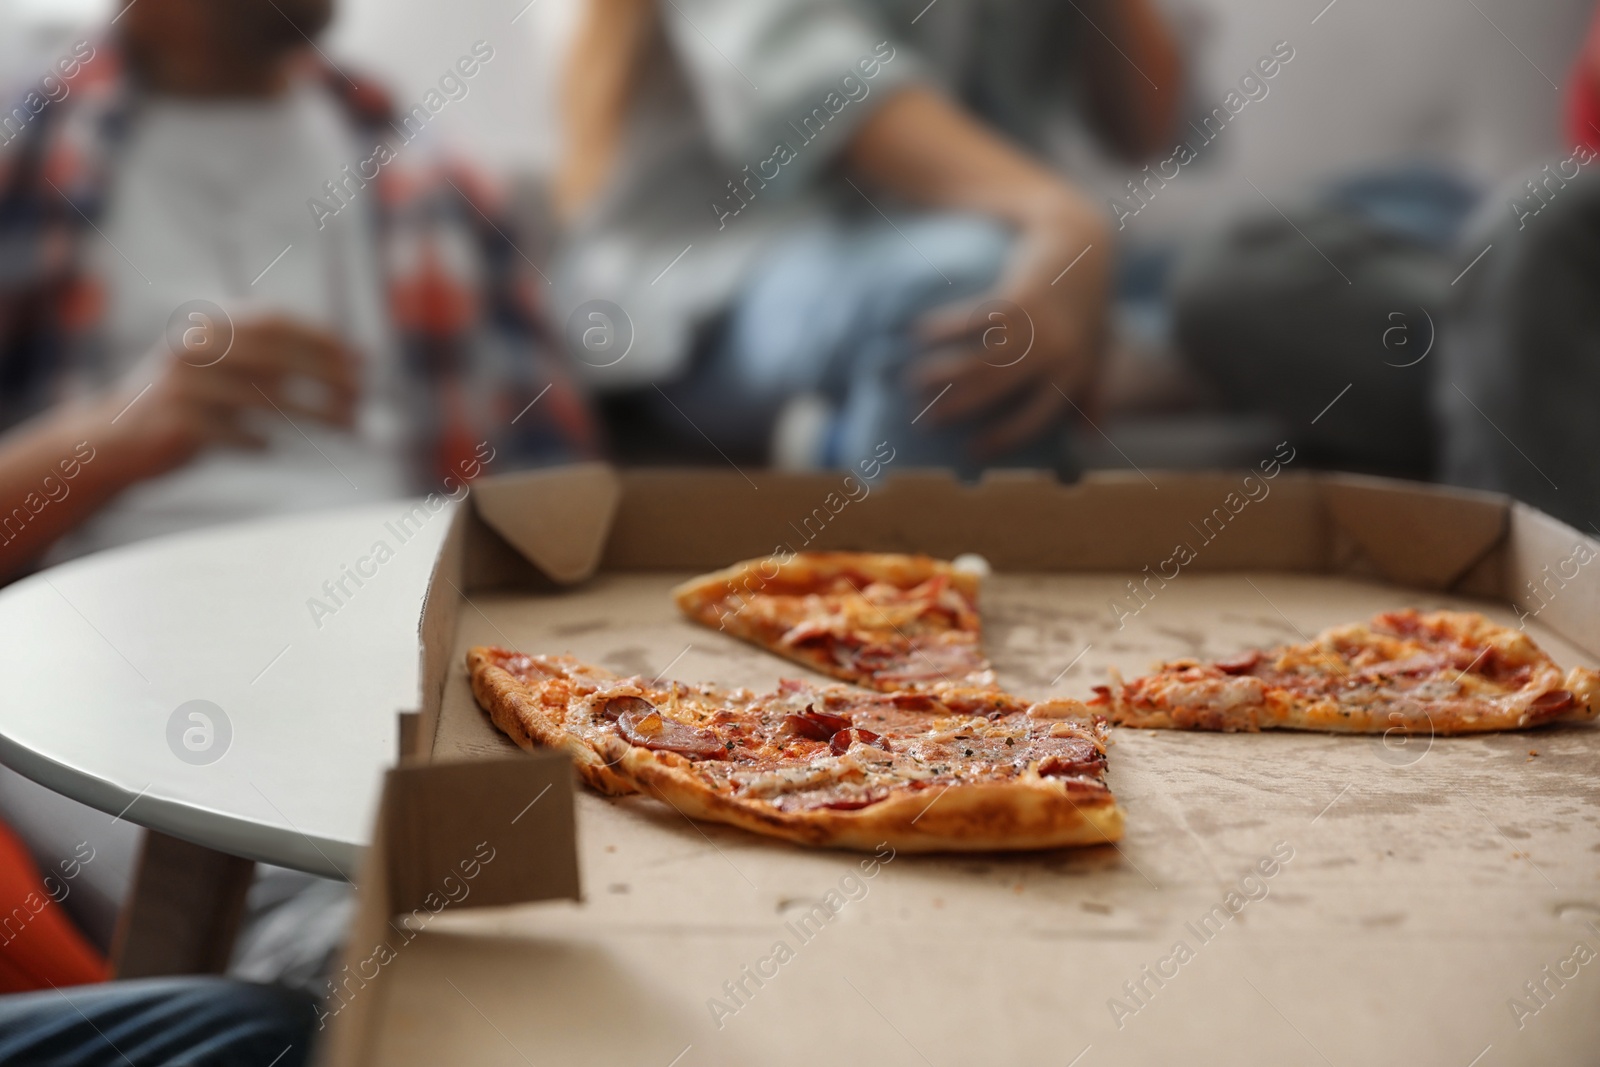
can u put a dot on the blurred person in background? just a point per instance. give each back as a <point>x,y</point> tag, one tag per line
<point>186,339</point>
<point>804,230</point>
<point>1519,380</point>
<point>1323,316</point>
<point>1403,321</point>
<point>172,295</point>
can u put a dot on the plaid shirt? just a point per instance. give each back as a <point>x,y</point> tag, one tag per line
<point>463,300</point>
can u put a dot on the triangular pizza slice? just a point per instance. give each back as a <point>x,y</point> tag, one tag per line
<point>889,622</point>
<point>1410,672</point>
<point>966,769</point>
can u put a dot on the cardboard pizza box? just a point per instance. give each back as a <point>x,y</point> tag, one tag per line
<point>1278,898</point>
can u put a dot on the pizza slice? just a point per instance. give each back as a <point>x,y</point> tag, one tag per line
<point>1441,672</point>
<point>962,770</point>
<point>528,700</point>
<point>884,621</point>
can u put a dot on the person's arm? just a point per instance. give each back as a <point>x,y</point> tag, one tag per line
<point>1132,76</point>
<point>929,152</point>
<point>146,428</point>
<point>64,465</point>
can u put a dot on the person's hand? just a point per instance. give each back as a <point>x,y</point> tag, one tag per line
<point>994,375</point>
<point>273,363</point>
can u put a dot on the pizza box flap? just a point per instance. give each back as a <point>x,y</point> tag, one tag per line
<point>1418,535</point>
<point>1553,575</point>
<point>508,820</point>
<point>450,836</point>
<point>558,517</point>
<point>1017,519</point>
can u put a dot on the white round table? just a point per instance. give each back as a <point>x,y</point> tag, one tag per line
<point>97,656</point>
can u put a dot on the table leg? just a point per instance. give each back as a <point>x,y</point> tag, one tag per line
<point>183,911</point>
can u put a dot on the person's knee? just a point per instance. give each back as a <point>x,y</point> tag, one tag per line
<point>840,301</point>
<point>925,265</point>
<point>939,259</point>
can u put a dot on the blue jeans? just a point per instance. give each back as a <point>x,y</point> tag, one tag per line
<point>831,311</point>
<point>204,1022</point>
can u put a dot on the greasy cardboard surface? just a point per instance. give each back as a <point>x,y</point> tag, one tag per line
<point>1403,903</point>
<point>1425,882</point>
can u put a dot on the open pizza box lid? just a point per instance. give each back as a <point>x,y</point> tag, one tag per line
<point>1279,898</point>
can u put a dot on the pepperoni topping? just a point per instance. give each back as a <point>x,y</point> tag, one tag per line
<point>617,706</point>
<point>855,802</point>
<point>1240,664</point>
<point>873,657</point>
<point>812,748</point>
<point>1077,759</point>
<point>845,738</point>
<point>834,723</point>
<point>1553,701</point>
<point>1405,623</point>
<point>648,729</point>
<point>806,727</point>
<point>814,725</point>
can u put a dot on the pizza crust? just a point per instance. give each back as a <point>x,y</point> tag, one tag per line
<point>513,708</point>
<point>1027,814</point>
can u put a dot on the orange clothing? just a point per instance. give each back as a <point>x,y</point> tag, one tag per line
<point>39,945</point>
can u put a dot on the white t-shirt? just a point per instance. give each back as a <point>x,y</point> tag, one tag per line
<point>204,199</point>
